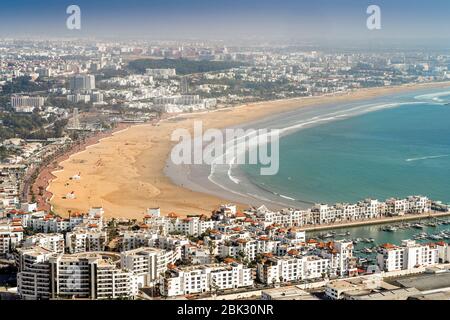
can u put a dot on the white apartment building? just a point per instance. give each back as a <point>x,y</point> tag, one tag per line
<point>53,224</point>
<point>82,82</point>
<point>135,239</point>
<point>408,256</point>
<point>419,255</point>
<point>324,213</point>
<point>45,275</point>
<point>340,255</point>
<point>193,226</point>
<point>161,73</point>
<point>207,278</point>
<point>147,263</point>
<point>53,242</point>
<point>243,248</point>
<point>75,98</point>
<point>287,268</point>
<point>412,204</point>
<point>33,277</point>
<point>11,234</point>
<point>85,240</point>
<point>26,103</point>
<point>443,251</point>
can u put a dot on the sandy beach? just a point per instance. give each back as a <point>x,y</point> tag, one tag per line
<point>45,175</point>
<point>124,173</point>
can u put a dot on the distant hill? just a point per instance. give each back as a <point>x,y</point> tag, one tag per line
<point>182,66</point>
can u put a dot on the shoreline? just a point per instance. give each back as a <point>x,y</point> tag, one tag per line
<point>377,221</point>
<point>236,186</point>
<point>46,175</point>
<point>138,159</point>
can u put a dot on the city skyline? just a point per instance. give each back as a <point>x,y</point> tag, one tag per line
<point>324,21</point>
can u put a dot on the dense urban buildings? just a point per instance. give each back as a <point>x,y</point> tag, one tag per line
<point>55,103</point>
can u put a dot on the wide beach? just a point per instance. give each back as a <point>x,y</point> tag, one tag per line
<point>125,173</point>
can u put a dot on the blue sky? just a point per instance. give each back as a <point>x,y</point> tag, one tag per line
<point>224,19</point>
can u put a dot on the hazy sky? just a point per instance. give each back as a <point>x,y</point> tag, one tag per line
<point>227,19</point>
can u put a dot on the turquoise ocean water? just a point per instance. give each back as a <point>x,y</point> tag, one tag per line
<point>392,152</point>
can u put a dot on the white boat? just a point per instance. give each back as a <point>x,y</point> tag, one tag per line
<point>391,228</point>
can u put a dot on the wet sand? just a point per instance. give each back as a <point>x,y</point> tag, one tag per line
<point>125,175</point>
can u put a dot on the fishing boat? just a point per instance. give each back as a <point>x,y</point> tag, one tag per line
<point>418,226</point>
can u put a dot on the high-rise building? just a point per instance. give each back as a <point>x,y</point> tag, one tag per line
<point>46,275</point>
<point>184,85</point>
<point>82,82</point>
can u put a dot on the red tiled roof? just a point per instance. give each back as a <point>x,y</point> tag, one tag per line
<point>229,260</point>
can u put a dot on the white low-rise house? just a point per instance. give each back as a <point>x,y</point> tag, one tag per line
<point>337,289</point>
<point>147,263</point>
<point>207,278</point>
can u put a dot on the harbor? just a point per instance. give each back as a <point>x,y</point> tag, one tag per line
<point>368,238</point>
